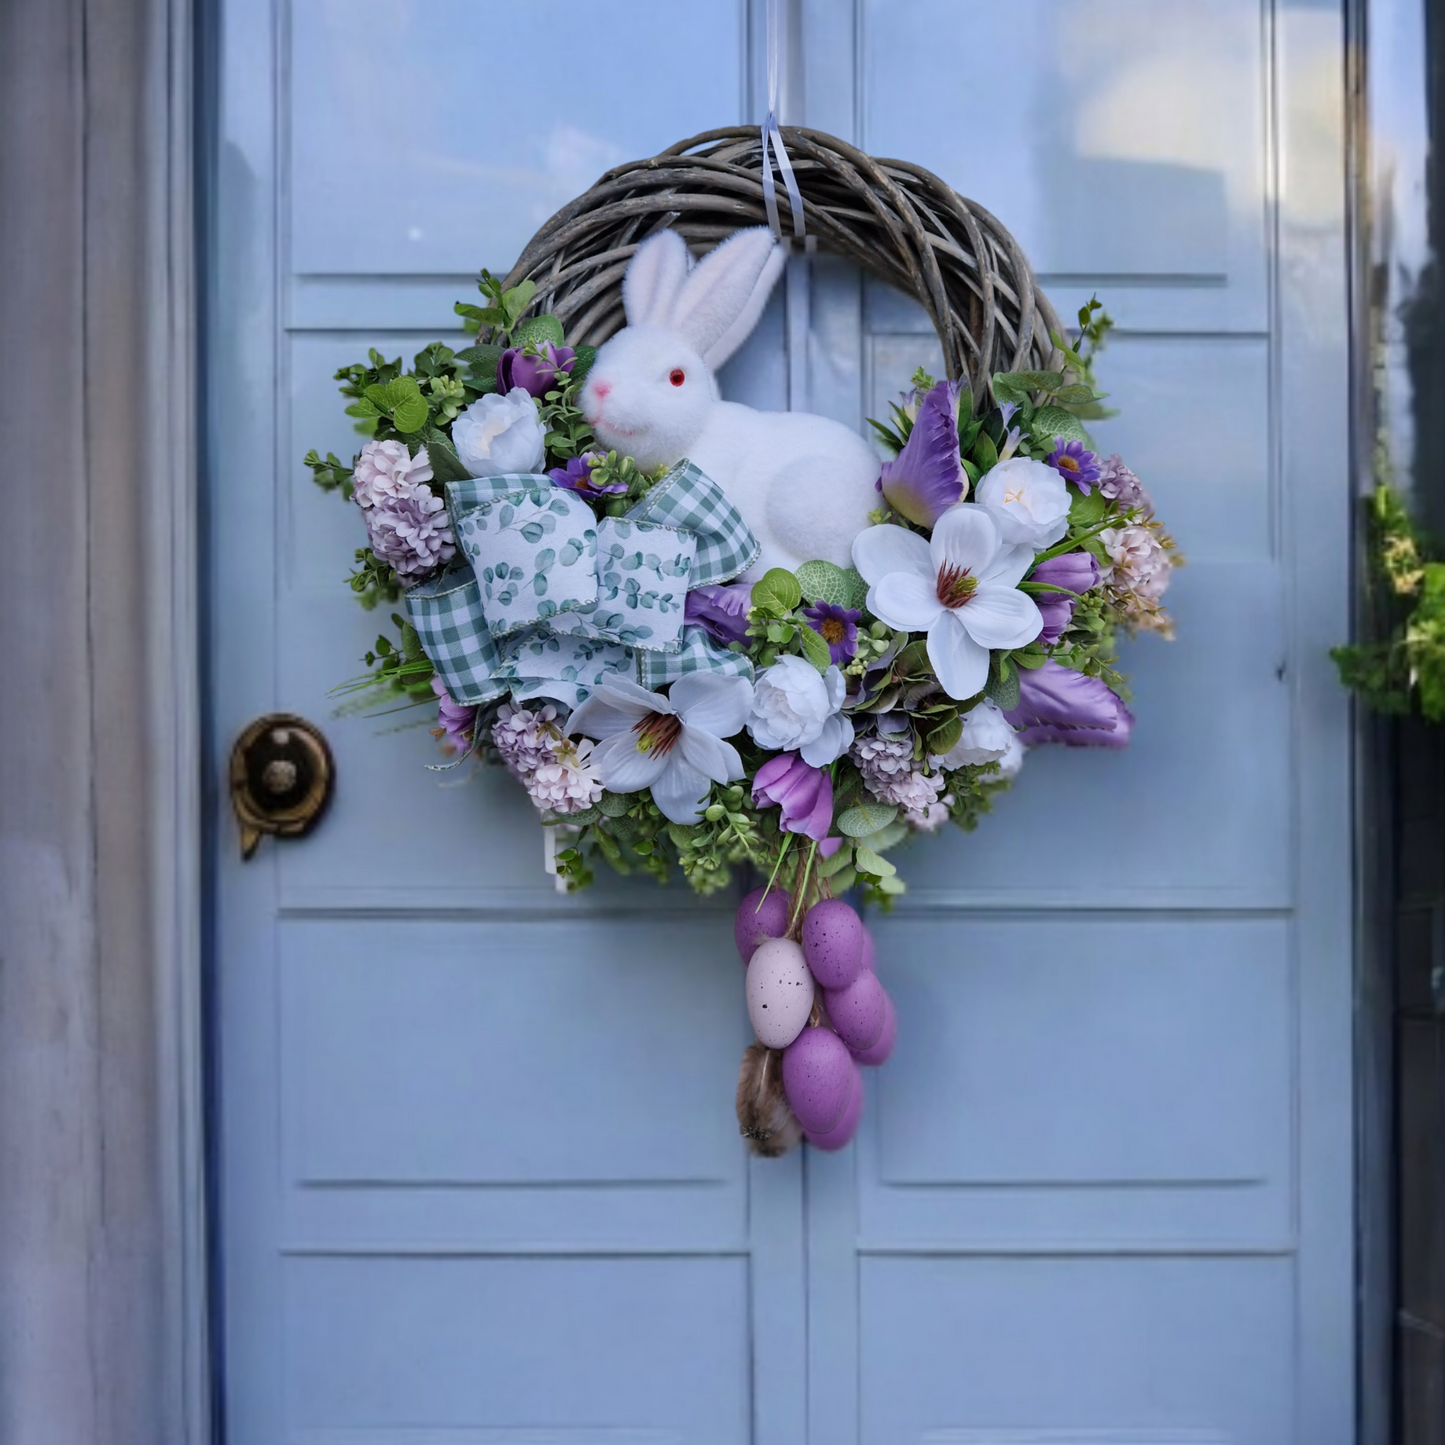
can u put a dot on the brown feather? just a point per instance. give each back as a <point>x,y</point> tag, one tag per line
<point>764,1118</point>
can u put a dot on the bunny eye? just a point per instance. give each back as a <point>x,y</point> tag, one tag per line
<point>677,376</point>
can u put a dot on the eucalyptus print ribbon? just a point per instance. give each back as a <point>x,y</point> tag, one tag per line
<point>546,599</point>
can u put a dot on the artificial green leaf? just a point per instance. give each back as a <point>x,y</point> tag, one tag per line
<point>829,867</point>
<point>586,355</point>
<point>777,591</point>
<point>857,588</point>
<point>1038,380</point>
<point>843,880</point>
<point>1003,683</point>
<point>945,736</point>
<point>815,649</point>
<point>410,415</point>
<point>888,837</point>
<point>444,464</point>
<point>984,452</point>
<point>537,329</point>
<point>1088,511</point>
<point>824,582</point>
<point>1077,395</point>
<point>362,408</point>
<point>614,805</point>
<point>1049,423</point>
<point>892,884</point>
<point>864,819</point>
<point>867,861</point>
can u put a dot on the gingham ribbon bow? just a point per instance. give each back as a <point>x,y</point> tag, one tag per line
<point>550,599</point>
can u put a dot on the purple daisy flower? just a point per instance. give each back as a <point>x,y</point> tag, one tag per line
<point>837,626</point>
<point>926,478</point>
<point>1074,462</point>
<point>576,476</point>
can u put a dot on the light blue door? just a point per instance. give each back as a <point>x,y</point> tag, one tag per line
<point>480,1182</point>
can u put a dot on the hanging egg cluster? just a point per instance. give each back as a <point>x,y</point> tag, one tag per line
<point>819,1003</point>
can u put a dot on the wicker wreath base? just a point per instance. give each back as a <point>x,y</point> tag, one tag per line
<point>896,220</point>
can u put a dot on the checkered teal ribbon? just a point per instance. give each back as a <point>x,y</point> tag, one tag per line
<point>540,565</point>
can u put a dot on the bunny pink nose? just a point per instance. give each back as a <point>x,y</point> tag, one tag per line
<point>601,388</point>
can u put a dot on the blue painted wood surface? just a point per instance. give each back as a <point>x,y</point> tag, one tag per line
<point>480,1177</point>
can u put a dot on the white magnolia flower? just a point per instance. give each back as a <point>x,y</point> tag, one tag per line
<point>961,588</point>
<point>386,471</point>
<point>672,745</point>
<point>986,736</point>
<point>796,706</point>
<point>1027,501</point>
<point>499,434</point>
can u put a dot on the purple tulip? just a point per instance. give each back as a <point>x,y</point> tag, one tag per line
<point>926,478</point>
<point>804,793</point>
<point>837,626</point>
<point>534,372</point>
<point>721,612</point>
<point>1058,705</point>
<point>577,476</point>
<point>1074,462</point>
<point>1077,571</point>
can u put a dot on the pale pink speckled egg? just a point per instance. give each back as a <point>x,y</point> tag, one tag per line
<point>833,943</point>
<point>780,992</point>
<point>858,1012</point>
<point>818,1078</point>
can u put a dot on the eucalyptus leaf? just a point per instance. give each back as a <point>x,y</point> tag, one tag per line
<point>843,858</point>
<point>865,819</point>
<point>777,591</point>
<point>410,415</point>
<point>614,805</point>
<point>1003,685</point>
<point>867,861</point>
<point>892,885</point>
<point>857,589</point>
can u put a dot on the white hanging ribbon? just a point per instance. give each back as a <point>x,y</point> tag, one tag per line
<point>779,151</point>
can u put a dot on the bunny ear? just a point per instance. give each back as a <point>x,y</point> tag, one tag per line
<point>725,293</point>
<point>653,279</point>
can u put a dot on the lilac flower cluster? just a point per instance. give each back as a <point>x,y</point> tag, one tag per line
<point>406,523</point>
<point>557,771</point>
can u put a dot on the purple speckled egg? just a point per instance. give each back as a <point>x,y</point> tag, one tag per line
<point>843,1131</point>
<point>759,918</point>
<point>780,992</point>
<point>833,943</point>
<point>859,1011</point>
<point>880,1051</point>
<point>818,1078</point>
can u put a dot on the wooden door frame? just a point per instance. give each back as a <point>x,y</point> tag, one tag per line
<point>103,1263</point>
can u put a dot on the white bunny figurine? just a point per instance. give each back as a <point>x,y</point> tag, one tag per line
<point>803,484</point>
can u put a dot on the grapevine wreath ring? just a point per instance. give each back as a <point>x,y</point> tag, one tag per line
<point>894,219</point>
<point>700,634</point>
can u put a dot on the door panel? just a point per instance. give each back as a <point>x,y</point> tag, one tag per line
<point>480,1178</point>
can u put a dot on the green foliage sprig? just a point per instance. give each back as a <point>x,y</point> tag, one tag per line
<point>1406,665</point>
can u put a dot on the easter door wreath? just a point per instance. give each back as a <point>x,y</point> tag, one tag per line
<point>704,637</point>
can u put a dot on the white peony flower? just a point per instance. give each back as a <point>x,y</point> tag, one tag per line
<point>932,818</point>
<point>961,588</point>
<point>387,472</point>
<point>1028,502</point>
<point>986,736</point>
<point>499,434</point>
<point>672,745</point>
<point>797,707</point>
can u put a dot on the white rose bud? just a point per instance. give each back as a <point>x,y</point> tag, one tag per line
<point>1028,502</point>
<point>499,434</point>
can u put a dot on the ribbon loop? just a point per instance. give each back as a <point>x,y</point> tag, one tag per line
<point>550,599</point>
